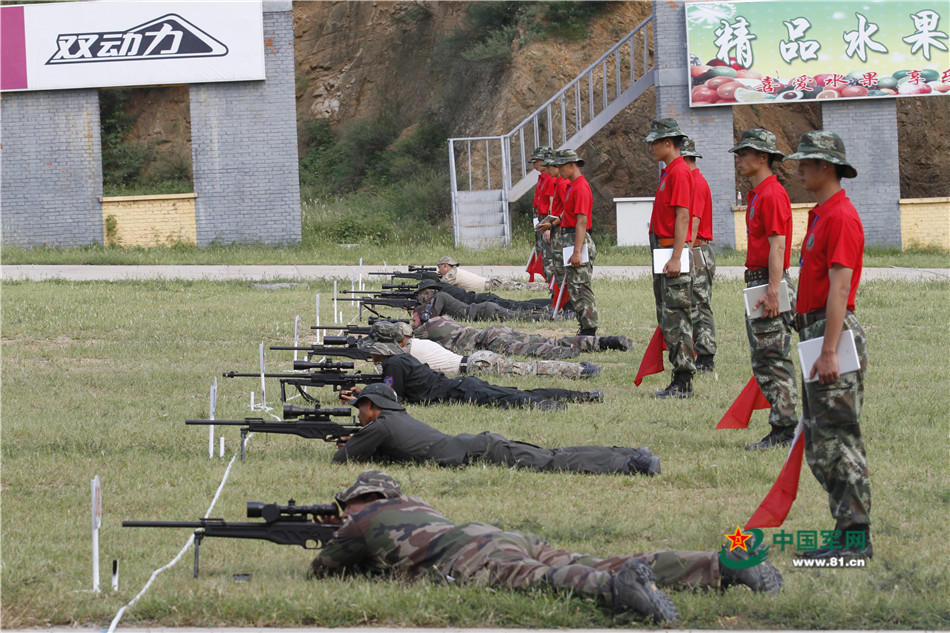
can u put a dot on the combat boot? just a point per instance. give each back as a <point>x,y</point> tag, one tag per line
<point>705,362</point>
<point>549,405</point>
<point>587,331</point>
<point>763,577</point>
<point>633,588</point>
<point>778,436</point>
<point>614,342</point>
<point>589,370</point>
<point>644,462</point>
<point>680,387</point>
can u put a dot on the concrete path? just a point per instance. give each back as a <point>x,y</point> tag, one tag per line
<point>251,629</point>
<point>32,272</point>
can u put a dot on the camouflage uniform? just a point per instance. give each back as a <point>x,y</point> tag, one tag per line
<point>465,339</point>
<point>406,537</point>
<point>703,264</point>
<point>674,299</point>
<point>488,362</point>
<point>770,344</point>
<point>490,283</point>
<point>578,280</point>
<point>443,303</point>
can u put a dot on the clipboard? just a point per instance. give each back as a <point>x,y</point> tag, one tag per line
<point>663,255</point>
<point>753,294</point>
<point>536,221</point>
<point>847,351</point>
<point>567,251</point>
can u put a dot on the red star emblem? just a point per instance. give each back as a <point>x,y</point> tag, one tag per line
<point>738,539</point>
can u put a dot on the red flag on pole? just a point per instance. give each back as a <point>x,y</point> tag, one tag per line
<point>560,295</point>
<point>774,508</point>
<point>652,362</point>
<point>751,398</point>
<point>535,265</point>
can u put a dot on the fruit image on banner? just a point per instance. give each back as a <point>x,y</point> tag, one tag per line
<point>774,51</point>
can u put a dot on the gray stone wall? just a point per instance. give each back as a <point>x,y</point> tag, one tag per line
<point>244,149</point>
<point>50,168</point>
<point>711,128</point>
<point>869,132</point>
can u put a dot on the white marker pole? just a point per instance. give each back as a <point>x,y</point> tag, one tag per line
<point>263,393</point>
<point>115,574</point>
<point>221,453</point>
<point>352,282</point>
<point>96,522</point>
<point>335,307</point>
<point>296,334</point>
<point>361,273</point>
<point>317,308</point>
<point>211,408</point>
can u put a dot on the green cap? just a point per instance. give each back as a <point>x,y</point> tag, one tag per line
<point>404,330</point>
<point>827,146</point>
<point>759,140</point>
<point>663,128</point>
<point>370,345</point>
<point>382,395</point>
<point>385,331</point>
<point>565,156</point>
<point>688,148</point>
<point>446,259</point>
<point>540,152</point>
<point>425,284</point>
<point>368,482</point>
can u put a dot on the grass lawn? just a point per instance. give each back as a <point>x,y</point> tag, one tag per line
<point>98,378</point>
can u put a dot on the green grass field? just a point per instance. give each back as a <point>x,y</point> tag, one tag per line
<point>98,378</point>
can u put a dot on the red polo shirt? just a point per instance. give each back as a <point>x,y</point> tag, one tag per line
<point>579,199</point>
<point>702,206</point>
<point>544,202</point>
<point>769,213</point>
<point>560,192</point>
<point>538,189</point>
<point>835,236</point>
<point>675,190</point>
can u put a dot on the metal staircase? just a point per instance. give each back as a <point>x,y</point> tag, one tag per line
<point>494,170</point>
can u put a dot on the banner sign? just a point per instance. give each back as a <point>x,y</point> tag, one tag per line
<point>65,45</point>
<point>775,51</point>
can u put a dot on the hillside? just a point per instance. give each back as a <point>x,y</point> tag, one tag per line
<point>359,61</point>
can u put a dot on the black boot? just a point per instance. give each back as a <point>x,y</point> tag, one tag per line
<point>680,387</point>
<point>587,331</point>
<point>644,462</point>
<point>705,362</point>
<point>614,342</point>
<point>777,437</point>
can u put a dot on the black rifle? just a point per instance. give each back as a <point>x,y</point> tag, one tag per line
<point>332,377</point>
<point>393,302</point>
<point>314,424</point>
<point>345,346</point>
<point>415,272</point>
<point>285,525</point>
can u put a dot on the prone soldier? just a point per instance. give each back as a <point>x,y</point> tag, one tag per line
<point>434,302</point>
<point>385,531</point>
<point>451,273</point>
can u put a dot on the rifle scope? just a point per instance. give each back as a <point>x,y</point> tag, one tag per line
<point>327,365</point>
<point>272,511</point>
<point>291,412</point>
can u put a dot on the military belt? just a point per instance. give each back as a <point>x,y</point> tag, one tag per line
<point>759,274</point>
<point>804,320</point>
<point>700,241</point>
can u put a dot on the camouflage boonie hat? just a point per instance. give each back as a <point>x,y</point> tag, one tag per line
<point>370,345</point>
<point>385,331</point>
<point>663,128</point>
<point>368,482</point>
<point>404,330</point>
<point>565,156</point>
<point>759,140</point>
<point>826,146</point>
<point>688,148</point>
<point>540,152</point>
<point>382,395</point>
<point>446,259</point>
<point>425,284</point>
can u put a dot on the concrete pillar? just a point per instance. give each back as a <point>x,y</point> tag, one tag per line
<point>244,147</point>
<point>869,131</point>
<point>711,128</point>
<point>51,168</point>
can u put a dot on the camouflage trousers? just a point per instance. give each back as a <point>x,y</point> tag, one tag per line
<point>504,340</point>
<point>673,297</point>
<point>833,445</point>
<point>488,362</point>
<point>578,280</point>
<point>770,343</point>
<point>703,261</point>
<point>521,561</point>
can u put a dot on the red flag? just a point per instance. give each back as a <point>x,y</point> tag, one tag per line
<point>535,265</point>
<point>751,398</point>
<point>774,508</point>
<point>557,293</point>
<point>652,362</point>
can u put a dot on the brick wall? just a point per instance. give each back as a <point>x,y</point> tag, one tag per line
<point>244,149</point>
<point>50,168</point>
<point>869,132</point>
<point>161,220</point>
<point>925,222</point>
<point>711,128</point>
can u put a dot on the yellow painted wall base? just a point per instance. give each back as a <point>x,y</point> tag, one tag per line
<point>925,222</point>
<point>160,220</point>
<point>799,223</point>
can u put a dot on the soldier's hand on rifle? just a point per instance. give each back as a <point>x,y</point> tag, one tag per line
<point>341,441</point>
<point>349,396</point>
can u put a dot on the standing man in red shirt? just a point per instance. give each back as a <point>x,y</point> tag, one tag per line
<point>542,201</point>
<point>669,228</point>
<point>552,224</point>
<point>576,242</point>
<point>703,262</point>
<point>769,229</point>
<point>832,259</point>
